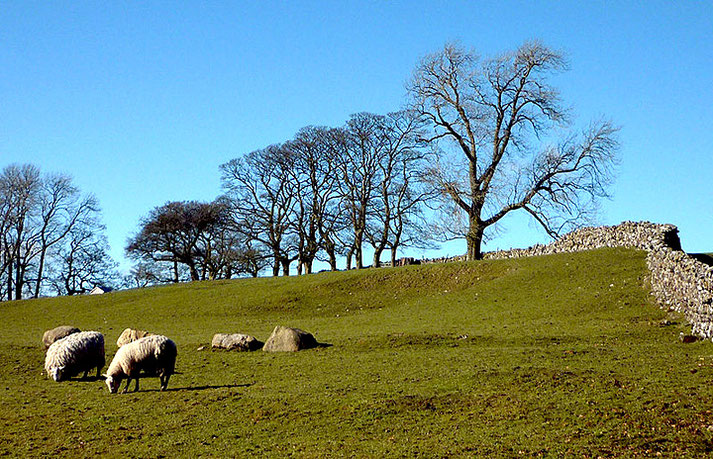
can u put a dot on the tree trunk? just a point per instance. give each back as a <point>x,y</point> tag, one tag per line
<point>377,257</point>
<point>474,239</point>
<point>349,255</point>
<point>393,256</point>
<point>285,267</point>
<point>19,278</point>
<point>332,260</point>
<point>40,268</point>
<point>276,267</point>
<point>9,281</point>
<point>358,254</point>
<point>194,272</point>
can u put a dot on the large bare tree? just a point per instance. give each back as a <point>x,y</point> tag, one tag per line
<point>315,180</point>
<point>399,193</point>
<point>359,178</point>
<point>61,209</point>
<point>262,197</point>
<point>496,123</point>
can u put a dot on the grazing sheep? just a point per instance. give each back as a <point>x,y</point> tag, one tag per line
<point>130,335</point>
<point>76,353</point>
<point>155,355</point>
<point>57,333</point>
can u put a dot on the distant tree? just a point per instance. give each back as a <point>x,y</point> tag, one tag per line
<point>141,275</point>
<point>61,209</point>
<point>495,121</point>
<point>315,179</point>
<point>262,199</point>
<point>400,193</point>
<point>184,233</point>
<point>20,185</point>
<point>83,262</point>
<point>37,214</point>
<point>358,169</point>
<point>251,261</point>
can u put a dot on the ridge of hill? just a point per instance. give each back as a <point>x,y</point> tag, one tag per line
<point>551,355</point>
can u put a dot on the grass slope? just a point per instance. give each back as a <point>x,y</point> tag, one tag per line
<point>562,354</point>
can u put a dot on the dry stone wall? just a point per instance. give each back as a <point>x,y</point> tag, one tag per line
<point>678,281</point>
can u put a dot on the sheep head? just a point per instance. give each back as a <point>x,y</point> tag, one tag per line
<point>112,383</point>
<point>57,373</point>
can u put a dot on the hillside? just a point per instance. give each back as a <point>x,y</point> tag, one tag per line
<point>546,355</point>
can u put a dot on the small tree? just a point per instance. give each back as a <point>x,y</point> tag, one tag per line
<point>494,121</point>
<point>188,233</point>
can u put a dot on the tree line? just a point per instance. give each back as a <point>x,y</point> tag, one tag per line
<point>478,139</point>
<point>326,193</point>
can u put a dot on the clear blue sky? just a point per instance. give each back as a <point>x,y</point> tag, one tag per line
<point>142,101</point>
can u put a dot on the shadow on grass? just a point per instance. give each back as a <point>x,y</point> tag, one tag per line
<point>81,379</point>
<point>195,388</point>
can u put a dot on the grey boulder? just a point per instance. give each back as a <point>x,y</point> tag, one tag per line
<point>57,334</point>
<point>286,339</point>
<point>235,342</point>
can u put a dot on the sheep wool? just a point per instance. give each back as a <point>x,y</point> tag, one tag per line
<point>58,333</point>
<point>154,355</point>
<point>73,354</point>
<point>130,335</point>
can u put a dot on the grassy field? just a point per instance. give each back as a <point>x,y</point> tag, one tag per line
<point>555,355</point>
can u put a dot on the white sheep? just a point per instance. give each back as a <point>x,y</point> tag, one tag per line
<point>130,335</point>
<point>154,355</point>
<point>73,354</point>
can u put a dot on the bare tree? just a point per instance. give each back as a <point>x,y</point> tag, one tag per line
<point>495,120</point>
<point>83,261</point>
<point>61,208</point>
<point>37,214</point>
<point>262,198</point>
<point>358,169</point>
<point>251,260</point>
<point>399,193</point>
<point>20,185</point>
<point>188,233</point>
<point>315,179</point>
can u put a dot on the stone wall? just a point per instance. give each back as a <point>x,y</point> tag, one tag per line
<point>678,281</point>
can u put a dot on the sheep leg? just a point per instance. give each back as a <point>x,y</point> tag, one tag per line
<point>85,374</point>
<point>164,381</point>
<point>136,389</point>
<point>99,372</point>
<point>128,381</point>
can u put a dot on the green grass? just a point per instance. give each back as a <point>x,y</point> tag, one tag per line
<point>556,355</point>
